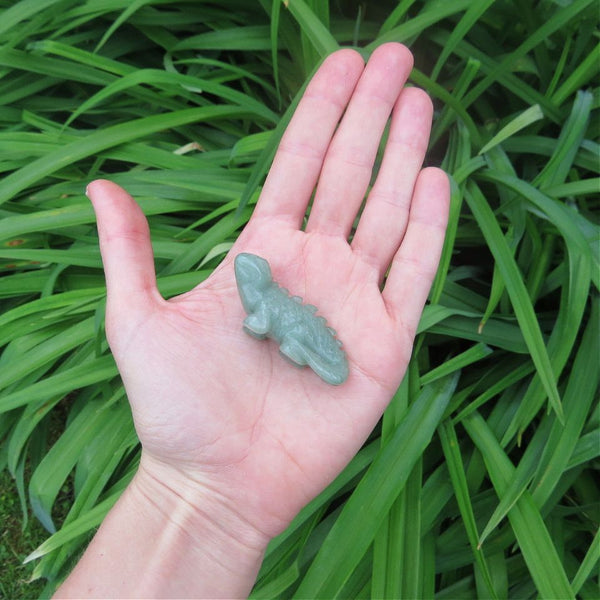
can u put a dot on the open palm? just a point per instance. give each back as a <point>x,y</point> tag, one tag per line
<point>222,410</point>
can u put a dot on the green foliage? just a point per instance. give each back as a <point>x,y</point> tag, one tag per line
<point>481,480</point>
<point>14,544</point>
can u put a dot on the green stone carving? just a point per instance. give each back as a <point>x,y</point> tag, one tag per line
<point>303,337</point>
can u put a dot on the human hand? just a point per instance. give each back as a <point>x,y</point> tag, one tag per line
<point>220,414</point>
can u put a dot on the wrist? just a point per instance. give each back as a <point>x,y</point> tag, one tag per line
<point>198,529</point>
<point>168,537</point>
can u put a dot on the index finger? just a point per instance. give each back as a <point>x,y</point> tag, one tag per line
<point>300,155</point>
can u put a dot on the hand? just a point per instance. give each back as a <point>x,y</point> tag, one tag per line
<point>224,409</point>
<point>221,413</point>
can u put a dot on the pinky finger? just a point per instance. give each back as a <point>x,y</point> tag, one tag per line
<point>415,263</point>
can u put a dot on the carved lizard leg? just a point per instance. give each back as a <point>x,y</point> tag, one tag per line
<point>292,350</point>
<point>300,355</point>
<point>258,323</point>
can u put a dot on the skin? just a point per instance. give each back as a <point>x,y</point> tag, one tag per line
<point>235,441</point>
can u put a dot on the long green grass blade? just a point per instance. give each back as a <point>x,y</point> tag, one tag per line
<point>586,449</point>
<point>532,535</point>
<point>390,541</point>
<point>41,354</point>
<point>162,79</point>
<point>84,258</point>
<point>434,13</point>
<point>83,524</point>
<point>591,560</point>
<point>575,293</point>
<point>568,143</point>
<point>275,13</point>
<point>578,79</point>
<point>396,15</point>
<point>516,288</point>
<point>411,576</point>
<point>129,10</point>
<point>471,16</point>
<point>95,371</point>
<point>562,16</point>
<point>20,11</point>
<point>345,546</point>
<point>531,115</point>
<point>52,67</point>
<point>451,448</point>
<point>314,29</point>
<point>508,80</point>
<point>580,393</point>
<point>456,363</point>
<point>520,482</point>
<point>107,138</point>
<point>51,473</point>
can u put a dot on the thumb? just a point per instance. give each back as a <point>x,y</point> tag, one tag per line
<point>125,247</point>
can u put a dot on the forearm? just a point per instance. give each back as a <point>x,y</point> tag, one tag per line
<point>161,543</point>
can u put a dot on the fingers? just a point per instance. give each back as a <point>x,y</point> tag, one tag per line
<point>349,161</point>
<point>299,158</point>
<point>384,218</point>
<point>125,246</point>
<point>415,263</point>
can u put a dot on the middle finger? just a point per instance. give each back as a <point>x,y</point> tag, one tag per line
<point>349,160</point>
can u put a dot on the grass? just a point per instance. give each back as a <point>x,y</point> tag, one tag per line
<point>19,536</point>
<point>16,544</point>
<point>481,480</point>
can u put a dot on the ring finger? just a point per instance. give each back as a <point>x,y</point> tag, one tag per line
<point>384,218</point>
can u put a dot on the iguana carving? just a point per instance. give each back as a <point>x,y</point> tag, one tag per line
<point>303,337</point>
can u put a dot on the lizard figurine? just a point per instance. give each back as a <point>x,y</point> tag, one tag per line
<point>303,337</point>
